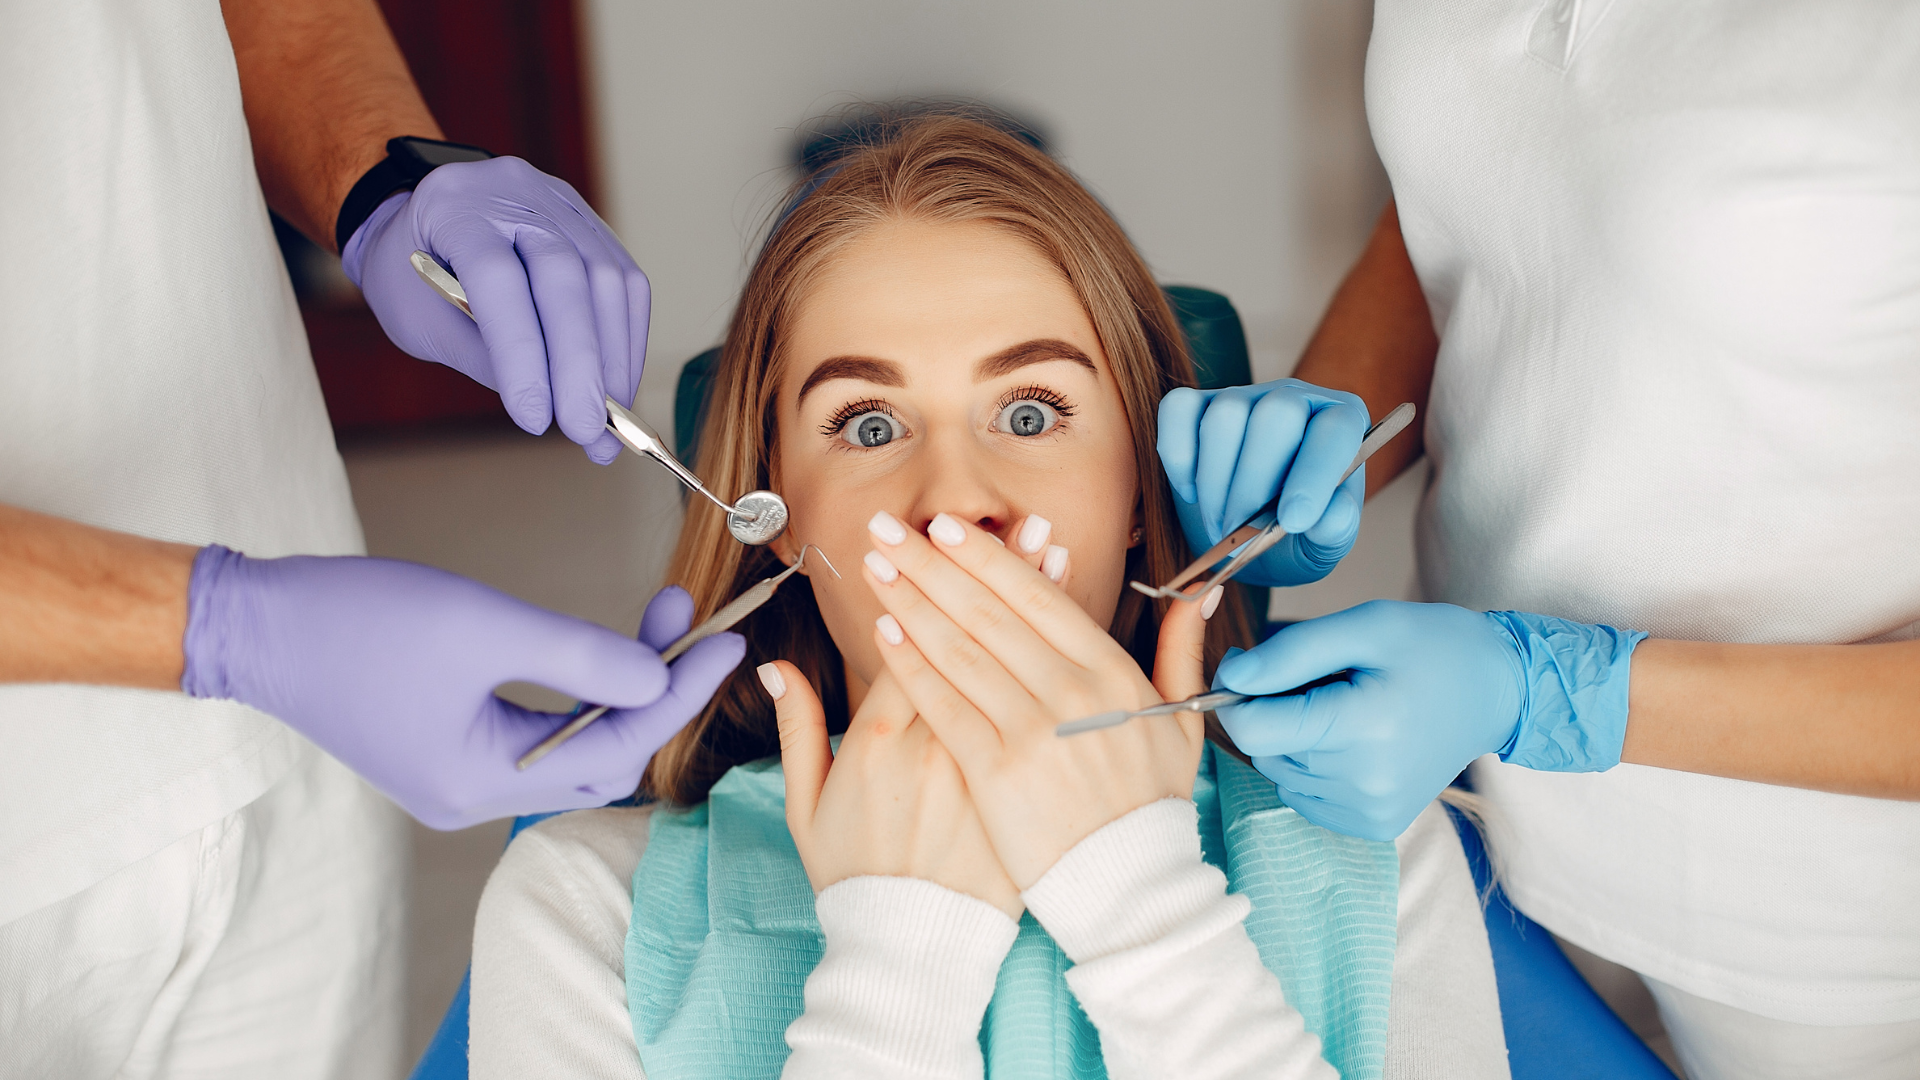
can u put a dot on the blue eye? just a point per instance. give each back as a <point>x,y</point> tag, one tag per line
<point>1026,418</point>
<point>870,429</point>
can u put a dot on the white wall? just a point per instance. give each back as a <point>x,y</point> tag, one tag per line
<point>1178,115</point>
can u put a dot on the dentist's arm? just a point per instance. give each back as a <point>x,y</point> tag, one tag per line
<point>85,605</point>
<point>562,308</point>
<point>1423,689</point>
<point>389,666</point>
<point>1420,690</point>
<point>1377,342</point>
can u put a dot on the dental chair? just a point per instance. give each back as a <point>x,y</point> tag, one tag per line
<point>1557,1028</point>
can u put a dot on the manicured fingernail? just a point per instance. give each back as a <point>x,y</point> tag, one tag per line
<point>1054,562</point>
<point>770,678</point>
<point>890,629</point>
<point>887,528</point>
<point>1033,535</point>
<point>1212,603</point>
<point>881,567</point>
<point>946,529</point>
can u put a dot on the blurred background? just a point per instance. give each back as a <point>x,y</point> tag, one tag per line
<point>1228,137</point>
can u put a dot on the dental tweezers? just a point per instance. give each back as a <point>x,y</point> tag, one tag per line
<point>1262,531</point>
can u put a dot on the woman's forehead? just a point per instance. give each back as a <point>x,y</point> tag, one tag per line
<point>939,296</point>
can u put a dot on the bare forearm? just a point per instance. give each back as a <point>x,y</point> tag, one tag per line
<point>1842,718</point>
<point>325,87</point>
<point>85,605</point>
<point>1376,340</point>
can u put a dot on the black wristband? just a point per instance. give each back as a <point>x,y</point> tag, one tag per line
<point>409,159</point>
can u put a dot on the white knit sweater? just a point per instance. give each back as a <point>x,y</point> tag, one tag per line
<point>1163,964</point>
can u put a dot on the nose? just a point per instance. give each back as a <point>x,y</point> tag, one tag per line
<point>955,478</point>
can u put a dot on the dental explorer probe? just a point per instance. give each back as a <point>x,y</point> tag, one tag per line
<point>725,619</point>
<point>757,518</point>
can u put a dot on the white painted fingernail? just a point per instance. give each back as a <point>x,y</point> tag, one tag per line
<point>1054,562</point>
<point>770,678</point>
<point>887,528</point>
<point>881,567</point>
<point>946,529</point>
<point>890,629</point>
<point>1033,535</point>
<point>1212,603</point>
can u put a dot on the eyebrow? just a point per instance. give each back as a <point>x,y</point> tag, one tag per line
<point>888,373</point>
<point>864,368</point>
<point>1038,351</point>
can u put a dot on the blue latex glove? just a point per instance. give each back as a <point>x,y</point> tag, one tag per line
<point>391,666</point>
<point>1427,688</point>
<point>1230,453</point>
<point>560,309</point>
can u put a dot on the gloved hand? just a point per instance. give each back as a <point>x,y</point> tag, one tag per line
<point>561,308</point>
<point>1229,453</point>
<point>1427,688</point>
<point>391,666</point>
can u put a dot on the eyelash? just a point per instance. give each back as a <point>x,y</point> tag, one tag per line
<point>1042,394</point>
<point>838,421</point>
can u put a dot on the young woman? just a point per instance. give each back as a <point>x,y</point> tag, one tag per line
<point>948,359</point>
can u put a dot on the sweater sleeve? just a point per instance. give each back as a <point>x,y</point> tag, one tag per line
<point>1163,965</point>
<point>900,991</point>
<point>549,943</point>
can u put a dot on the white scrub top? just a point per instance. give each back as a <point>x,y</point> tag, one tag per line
<point>1673,253</point>
<point>154,378</point>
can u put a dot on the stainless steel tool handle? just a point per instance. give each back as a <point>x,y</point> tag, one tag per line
<point>644,441</point>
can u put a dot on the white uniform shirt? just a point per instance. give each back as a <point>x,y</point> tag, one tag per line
<point>1673,252</point>
<point>154,378</point>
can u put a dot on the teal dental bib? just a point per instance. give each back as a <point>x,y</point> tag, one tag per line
<point>723,935</point>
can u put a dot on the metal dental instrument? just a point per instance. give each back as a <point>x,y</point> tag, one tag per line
<point>724,619</point>
<point>1262,532</point>
<point>1216,699</point>
<point>756,518</point>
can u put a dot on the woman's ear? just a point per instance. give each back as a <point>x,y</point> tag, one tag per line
<point>786,549</point>
<point>1139,533</point>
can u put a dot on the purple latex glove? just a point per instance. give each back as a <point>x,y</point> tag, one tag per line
<point>391,666</point>
<point>559,307</point>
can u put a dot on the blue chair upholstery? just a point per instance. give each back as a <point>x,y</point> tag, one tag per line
<point>1556,1026</point>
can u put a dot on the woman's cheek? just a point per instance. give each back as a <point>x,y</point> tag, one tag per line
<point>847,604</point>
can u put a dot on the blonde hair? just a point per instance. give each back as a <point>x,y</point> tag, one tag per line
<point>943,169</point>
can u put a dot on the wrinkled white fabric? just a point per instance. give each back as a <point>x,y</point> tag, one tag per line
<point>549,988</point>
<point>1720,1042</point>
<point>154,378</point>
<point>1673,252</point>
<point>260,945</point>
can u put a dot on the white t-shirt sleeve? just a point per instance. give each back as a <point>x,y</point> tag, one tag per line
<point>906,977</point>
<point>1444,1021</point>
<point>1163,965</point>
<point>549,952</point>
